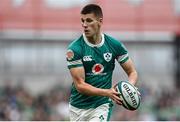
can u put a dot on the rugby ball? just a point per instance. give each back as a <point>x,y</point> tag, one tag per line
<point>129,95</point>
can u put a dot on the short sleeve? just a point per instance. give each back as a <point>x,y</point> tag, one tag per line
<point>73,58</point>
<point>122,53</point>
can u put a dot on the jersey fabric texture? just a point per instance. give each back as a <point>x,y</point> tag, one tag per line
<point>98,62</point>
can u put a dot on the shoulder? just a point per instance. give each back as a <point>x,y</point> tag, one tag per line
<point>113,41</point>
<point>76,45</point>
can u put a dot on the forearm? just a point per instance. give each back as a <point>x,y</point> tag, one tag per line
<point>130,70</point>
<point>83,87</point>
<point>90,90</point>
<point>132,77</point>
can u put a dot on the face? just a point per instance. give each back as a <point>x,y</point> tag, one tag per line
<point>91,24</point>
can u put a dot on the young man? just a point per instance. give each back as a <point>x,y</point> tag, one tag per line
<point>91,60</point>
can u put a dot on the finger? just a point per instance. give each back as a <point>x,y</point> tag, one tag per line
<point>116,93</point>
<point>115,86</point>
<point>119,103</point>
<point>117,98</point>
<point>139,93</point>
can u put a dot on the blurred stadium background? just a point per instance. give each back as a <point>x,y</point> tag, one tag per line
<point>34,34</point>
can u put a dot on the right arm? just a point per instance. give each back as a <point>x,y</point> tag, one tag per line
<point>78,76</point>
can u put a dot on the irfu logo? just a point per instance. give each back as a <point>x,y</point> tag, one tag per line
<point>107,56</point>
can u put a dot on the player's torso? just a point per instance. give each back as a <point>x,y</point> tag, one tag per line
<point>97,60</point>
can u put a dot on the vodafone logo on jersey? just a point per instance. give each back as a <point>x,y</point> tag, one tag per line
<point>98,68</point>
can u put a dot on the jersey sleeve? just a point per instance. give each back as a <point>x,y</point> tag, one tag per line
<point>73,58</point>
<point>122,53</point>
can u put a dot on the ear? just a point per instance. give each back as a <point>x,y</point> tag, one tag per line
<point>101,20</point>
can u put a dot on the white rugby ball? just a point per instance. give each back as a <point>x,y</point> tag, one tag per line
<point>129,95</point>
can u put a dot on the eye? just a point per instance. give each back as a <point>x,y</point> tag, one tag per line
<point>82,20</point>
<point>89,20</point>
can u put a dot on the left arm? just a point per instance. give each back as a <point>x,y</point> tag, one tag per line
<point>130,70</point>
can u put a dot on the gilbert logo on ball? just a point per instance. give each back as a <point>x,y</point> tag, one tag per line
<point>129,95</point>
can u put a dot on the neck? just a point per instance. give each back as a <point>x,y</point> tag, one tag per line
<point>96,39</point>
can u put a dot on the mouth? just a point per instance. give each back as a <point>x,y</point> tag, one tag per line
<point>86,31</point>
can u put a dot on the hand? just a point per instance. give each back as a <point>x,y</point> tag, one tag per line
<point>114,95</point>
<point>137,91</point>
<point>135,88</point>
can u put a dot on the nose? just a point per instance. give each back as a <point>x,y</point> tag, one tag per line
<point>84,24</point>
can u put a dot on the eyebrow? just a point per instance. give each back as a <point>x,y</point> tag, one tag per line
<point>86,18</point>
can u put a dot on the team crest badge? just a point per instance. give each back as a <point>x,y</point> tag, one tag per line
<point>107,56</point>
<point>69,55</point>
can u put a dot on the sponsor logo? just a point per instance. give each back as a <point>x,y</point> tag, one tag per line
<point>87,58</point>
<point>97,68</point>
<point>107,56</point>
<point>104,73</point>
<point>69,55</point>
<point>128,90</point>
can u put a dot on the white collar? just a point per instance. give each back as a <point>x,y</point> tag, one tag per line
<point>93,45</point>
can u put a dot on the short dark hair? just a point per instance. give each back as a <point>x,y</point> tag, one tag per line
<point>92,8</point>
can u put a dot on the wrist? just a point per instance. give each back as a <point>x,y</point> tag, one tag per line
<point>105,92</point>
<point>132,82</point>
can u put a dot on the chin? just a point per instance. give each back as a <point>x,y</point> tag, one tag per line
<point>88,35</point>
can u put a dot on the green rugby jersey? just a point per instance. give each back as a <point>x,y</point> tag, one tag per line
<point>98,62</point>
